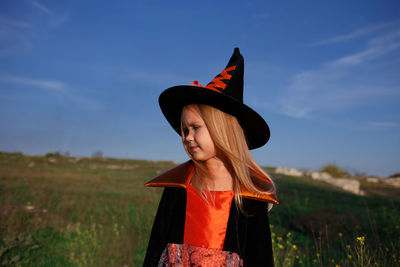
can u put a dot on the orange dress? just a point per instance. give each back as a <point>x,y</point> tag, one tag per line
<point>204,233</point>
<point>205,223</point>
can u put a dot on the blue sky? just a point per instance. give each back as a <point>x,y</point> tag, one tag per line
<point>82,76</point>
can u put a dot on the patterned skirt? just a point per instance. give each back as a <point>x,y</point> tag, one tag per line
<point>176,255</point>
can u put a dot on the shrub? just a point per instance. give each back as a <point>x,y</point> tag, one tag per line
<point>98,154</point>
<point>334,170</point>
<point>53,155</point>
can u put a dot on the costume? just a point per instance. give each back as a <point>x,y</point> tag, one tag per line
<point>185,230</point>
<point>247,235</point>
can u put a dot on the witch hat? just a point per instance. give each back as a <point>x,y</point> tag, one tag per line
<point>224,92</point>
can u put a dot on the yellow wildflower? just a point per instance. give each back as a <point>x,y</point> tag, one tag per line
<point>340,234</point>
<point>361,239</point>
<point>294,247</point>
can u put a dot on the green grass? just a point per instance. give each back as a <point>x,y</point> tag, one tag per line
<point>323,221</point>
<point>63,211</point>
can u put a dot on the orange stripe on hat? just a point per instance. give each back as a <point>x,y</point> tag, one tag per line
<point>218,81</point>
<point>218,84</point>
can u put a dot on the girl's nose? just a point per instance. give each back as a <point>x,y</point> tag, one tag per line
<point>189,137</point>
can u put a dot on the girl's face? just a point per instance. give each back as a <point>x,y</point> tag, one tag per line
<point>196,138</point>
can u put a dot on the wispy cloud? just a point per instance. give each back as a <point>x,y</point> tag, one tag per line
<point>55,20</point>
<point>383,124</point>
<point>42,7</point>
<point>58,21</point>
<point>357,33</point>
<point>4,21</point>
<point>55,86</point>
<point>14,35</point>
<point>70,94</point>
<point>155,77</point>
<point>17,35</point>
<point>378,46</point>
<point>347,82</point>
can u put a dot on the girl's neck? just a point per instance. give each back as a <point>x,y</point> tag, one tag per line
<point>213,175</point>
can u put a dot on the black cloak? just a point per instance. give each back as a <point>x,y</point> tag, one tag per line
<point>248,233</point>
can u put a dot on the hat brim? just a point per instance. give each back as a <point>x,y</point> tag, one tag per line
<point>175,98</point>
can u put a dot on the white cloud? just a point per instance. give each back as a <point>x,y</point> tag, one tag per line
<point>54,20</point>
<point>357,33</point>
<point>68,93</point>
<point>42,7</point>
<point>345,83</point>
<point>14,35</point>
<point>58,21</point>
<point>17,35</point>
<point>55,86</point>
<point>383,124</point>
<point>4,21</point>
<point>155,77</point>
<point>378,46</point>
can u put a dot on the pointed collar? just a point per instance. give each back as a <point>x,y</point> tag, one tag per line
<point>180,176</point>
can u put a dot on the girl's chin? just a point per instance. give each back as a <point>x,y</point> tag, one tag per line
<point>196,156</point>
<point>200,158</point>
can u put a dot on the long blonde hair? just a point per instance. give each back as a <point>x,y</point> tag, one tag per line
<point>232,149</point>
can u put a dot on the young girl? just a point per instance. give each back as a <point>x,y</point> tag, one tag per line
<point>214,208</point>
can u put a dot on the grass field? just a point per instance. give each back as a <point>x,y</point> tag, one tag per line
<point>66,211</point>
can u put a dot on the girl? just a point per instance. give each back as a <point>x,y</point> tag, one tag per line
<point>214,208</point>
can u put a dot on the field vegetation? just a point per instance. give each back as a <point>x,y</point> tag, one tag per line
<point>334,171</point>
<point>58,210</point>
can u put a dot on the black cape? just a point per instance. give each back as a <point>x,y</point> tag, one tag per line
<point>248,233</point>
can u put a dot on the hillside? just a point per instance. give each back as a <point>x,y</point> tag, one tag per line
<point>57,210</point>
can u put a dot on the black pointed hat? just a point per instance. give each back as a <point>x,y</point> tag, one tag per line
<point>224,92</point>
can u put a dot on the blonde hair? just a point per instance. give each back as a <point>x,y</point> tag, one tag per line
<point>230,143</point>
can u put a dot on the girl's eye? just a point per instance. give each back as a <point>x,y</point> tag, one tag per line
<point>196,127</point>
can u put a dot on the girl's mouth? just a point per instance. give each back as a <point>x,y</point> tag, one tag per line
<point>193,148</point>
